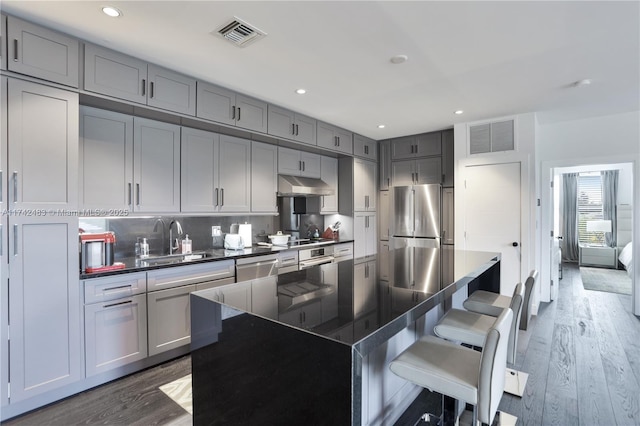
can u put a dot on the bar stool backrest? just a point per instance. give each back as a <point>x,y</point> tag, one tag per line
<point>529,285</point>
<point>516,306</point>
<point>493,365</point>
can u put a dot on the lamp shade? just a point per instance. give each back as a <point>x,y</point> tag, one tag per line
<point>599,226</point>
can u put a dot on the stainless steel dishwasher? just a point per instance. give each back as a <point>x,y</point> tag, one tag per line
<point>252,268</point>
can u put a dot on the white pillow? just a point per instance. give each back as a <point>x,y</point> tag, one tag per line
<point>625,256</point>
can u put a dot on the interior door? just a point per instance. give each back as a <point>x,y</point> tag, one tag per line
<point>492,216</point>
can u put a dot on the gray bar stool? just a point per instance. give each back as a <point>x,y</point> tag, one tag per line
<point>458,372</point>
<point>489,303</point>
<point>470,327</point>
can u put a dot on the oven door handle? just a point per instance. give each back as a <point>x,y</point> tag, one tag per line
<point>314,262</point>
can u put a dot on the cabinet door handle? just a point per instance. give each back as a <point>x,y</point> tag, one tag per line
<point>137,194</point>
<point>300,165</point>
<point>216,197</point>
<point>15,239</point>
<point>338,140</point>
<point>293,129</point>
<point>15,50</point>
<point>15,186</point>
<point>366,149</point>
<point>233,112</point>
<point>239,113</point>
<point>151,89</point>
<point>130,193</point>
<point>335,141</point>
<point>303,166</point>
<point>144,87</point>
<point>297,130</point>
<point>388,182</point>
<point>118,304</point>
<point>221,196</point>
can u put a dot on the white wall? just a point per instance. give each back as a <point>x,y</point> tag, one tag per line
<point>598,140</point>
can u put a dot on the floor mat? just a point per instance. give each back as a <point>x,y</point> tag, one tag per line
<point>610,280</point>
<point>180,391</point>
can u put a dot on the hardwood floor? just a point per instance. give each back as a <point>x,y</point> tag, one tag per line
<point>582,352</point>
<point>583,357</point>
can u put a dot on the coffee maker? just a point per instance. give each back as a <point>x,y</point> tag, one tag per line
<point>97,252</point>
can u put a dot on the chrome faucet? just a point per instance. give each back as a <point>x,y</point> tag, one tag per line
<point>155,229</point>
<point>173,247</point>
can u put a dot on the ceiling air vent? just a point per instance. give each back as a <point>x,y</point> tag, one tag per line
<point>240,33</point>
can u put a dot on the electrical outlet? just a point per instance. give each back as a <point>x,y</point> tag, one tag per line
<point>216,230</point>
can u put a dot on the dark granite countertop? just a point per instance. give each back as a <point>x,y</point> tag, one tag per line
<point>342,303</point>
<point>137,264</point>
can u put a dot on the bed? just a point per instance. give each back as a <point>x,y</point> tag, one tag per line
<point>623,234</point>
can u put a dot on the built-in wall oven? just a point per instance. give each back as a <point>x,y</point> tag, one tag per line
<point>312,256</point>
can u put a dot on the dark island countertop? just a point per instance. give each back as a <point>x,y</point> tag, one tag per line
<point>327,323</point>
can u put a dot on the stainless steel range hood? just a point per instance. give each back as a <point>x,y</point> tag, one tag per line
<point>298,186</point>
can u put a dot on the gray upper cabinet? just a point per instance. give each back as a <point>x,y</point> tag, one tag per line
<point>264,178</point>
<point>291,125</point>
<point>365,147</point>
<point>41,53</point>
<point>225,106</point>
<point>385,164</point>
<point>43,146</point>
<point>3,42</point>
<point>364,185</point>
<point>156,166</point>
<point>334,138</point>
<point>216,172</point>
<point>298,163</point>
<point>106,159</point>
<point>447,159</point>
<point>114,74</point>
<point>171,91</point>
<point>329,174</point>
<point>422,145</point>
<point>416,172</point>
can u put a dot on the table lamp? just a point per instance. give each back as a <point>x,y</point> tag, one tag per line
<point>599,226</point>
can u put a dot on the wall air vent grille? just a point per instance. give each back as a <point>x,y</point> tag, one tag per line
<point>492,137</point>
<point>240,33</point>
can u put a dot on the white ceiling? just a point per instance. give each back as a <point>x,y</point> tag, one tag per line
<point>489,59</point>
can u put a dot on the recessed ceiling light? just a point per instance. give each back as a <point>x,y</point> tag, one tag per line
<point>399,59</point>
<point>583,82</point>
<point>301,91</point>
<point>381,126</point>
<point>458,112</point>
<point>111,11</point>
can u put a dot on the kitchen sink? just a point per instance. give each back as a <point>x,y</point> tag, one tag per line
<point>174,258</point>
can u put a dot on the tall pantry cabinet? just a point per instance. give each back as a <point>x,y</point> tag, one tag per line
<point>42,331</point>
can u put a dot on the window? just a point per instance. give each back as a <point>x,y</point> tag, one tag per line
<point>589,206</point>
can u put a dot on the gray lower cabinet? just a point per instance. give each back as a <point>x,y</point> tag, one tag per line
<point>169,318</point>
<point>45,349</point>
<point>448,217</point>
<point>308,316</point>
<point>264,177</point>
<point>113,74</point>
<point>384,213</point>
<point>364,234</point>
<point>115,333</point>
<point>42,53</point>
<point>225,106</point>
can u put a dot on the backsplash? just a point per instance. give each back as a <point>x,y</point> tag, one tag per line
<point>127,230</point>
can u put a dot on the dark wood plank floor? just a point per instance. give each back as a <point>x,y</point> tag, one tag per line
<point>582,352</point>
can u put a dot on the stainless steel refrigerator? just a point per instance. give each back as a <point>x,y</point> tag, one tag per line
<point>415,216</point>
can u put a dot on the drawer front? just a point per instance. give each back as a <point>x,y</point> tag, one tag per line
<point>343,250</point>
<point>184,275</point>
<point>115,287</point>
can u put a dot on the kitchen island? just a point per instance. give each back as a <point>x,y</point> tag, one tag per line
<point>317,355</point>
